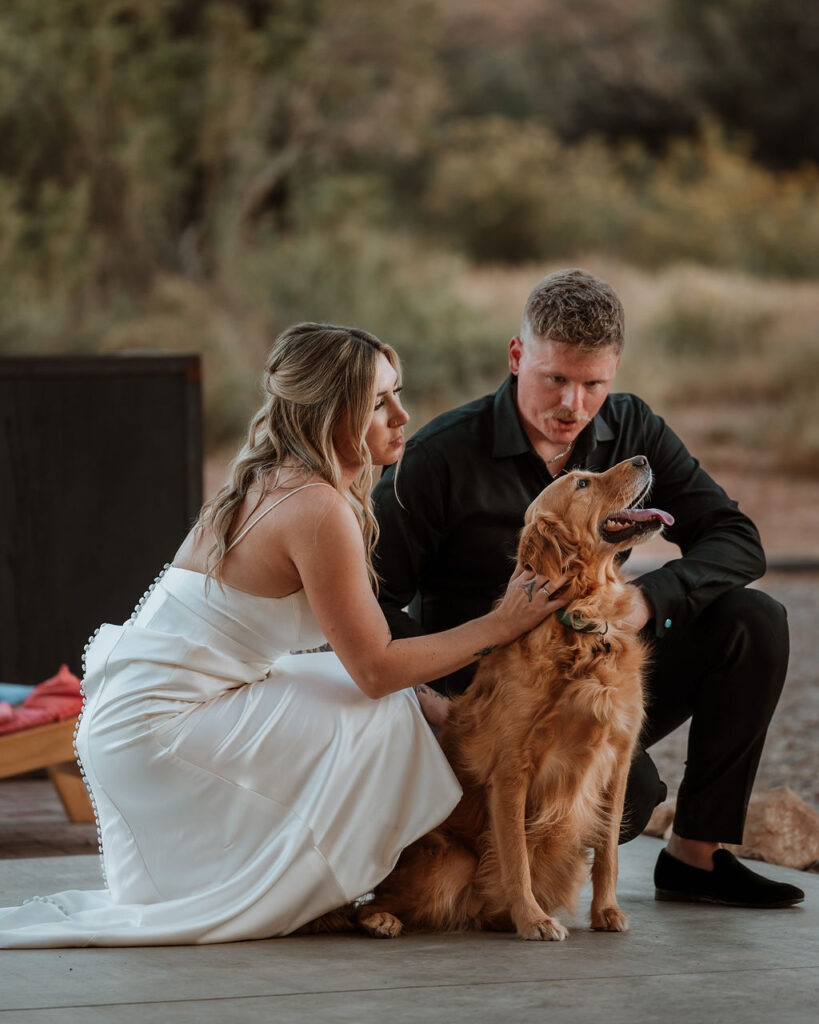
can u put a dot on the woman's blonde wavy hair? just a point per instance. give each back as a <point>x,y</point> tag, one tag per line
<point>315,375</point>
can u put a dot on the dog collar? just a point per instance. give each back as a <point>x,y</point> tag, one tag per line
<point>581,625</point>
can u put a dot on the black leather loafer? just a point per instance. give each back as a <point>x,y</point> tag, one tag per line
<point>730,883</point>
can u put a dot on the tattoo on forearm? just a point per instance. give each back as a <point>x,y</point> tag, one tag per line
<point>488,650</point>
<point>528,589</point>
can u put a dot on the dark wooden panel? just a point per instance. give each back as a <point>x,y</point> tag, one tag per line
<point>100,478</point>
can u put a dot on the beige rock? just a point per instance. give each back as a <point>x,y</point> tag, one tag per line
<point>780,828</point>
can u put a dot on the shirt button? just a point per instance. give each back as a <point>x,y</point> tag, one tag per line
<point>668,623</point>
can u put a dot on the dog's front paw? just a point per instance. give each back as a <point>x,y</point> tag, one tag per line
<point>544,928</point>
<point>381,925</point>
<point>609,919</point>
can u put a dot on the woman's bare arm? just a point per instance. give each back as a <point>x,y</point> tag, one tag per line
<point>325,545</point>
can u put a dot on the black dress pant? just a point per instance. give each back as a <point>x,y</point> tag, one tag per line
<point>724,671</point>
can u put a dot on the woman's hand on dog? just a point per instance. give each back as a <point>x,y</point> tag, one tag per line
<point>528,600</point>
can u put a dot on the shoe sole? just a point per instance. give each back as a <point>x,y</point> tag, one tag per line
<point>670,896</point>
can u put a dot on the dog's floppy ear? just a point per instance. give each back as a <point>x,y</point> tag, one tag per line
<point>544,545</point>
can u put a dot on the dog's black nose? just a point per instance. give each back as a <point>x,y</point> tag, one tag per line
<point>639,461</point>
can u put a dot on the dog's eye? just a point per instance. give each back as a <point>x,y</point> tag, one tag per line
<point>582,482</point>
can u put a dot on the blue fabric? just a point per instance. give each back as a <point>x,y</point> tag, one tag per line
<point>14,693</point>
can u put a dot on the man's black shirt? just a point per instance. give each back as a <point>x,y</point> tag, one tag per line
<point>448,539</point>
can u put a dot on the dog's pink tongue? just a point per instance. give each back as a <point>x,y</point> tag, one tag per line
<point>640,515</point>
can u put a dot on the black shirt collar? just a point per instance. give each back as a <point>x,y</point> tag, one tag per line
<point>510,438</point>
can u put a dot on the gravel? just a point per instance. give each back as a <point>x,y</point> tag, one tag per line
<point>790,754</point>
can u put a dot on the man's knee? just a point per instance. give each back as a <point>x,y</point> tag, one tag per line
<point>759,622</point>
<point>644,791</point>
<point>754,607</point>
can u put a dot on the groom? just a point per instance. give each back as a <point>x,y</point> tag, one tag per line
<point>719,651</point>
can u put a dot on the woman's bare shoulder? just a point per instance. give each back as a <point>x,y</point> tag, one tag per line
<point>314,499</point>
<point>321,508</point>
<point>299,515</point>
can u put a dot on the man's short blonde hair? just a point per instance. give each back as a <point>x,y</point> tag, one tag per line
<point>576,308</point>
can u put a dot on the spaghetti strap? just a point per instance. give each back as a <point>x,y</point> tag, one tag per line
<point>278,501</point>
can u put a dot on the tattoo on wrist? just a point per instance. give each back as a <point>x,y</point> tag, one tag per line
<point>485,650</point>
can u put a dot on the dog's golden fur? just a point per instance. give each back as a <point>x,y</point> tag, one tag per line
<point>541,743</point>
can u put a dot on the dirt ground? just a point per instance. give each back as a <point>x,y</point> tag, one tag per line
<point>790,756</point>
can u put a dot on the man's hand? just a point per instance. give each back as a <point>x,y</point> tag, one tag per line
<point>641,610</point>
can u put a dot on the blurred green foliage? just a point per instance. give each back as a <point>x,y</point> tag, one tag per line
<point>511,191</point>
<point>196,174</point>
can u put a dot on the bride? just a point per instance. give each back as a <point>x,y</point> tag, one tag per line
<point>241,790</point>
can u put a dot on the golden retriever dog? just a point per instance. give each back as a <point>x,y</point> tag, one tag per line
<point>542,740</point>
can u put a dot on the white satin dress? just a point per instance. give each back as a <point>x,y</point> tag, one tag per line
<point>240,791</point>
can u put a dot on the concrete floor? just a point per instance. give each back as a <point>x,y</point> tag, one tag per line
<point>680,962</point>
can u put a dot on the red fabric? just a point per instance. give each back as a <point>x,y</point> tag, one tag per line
<point>53,700</point>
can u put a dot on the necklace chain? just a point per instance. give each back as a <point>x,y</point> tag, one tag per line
<point>556,458</point>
